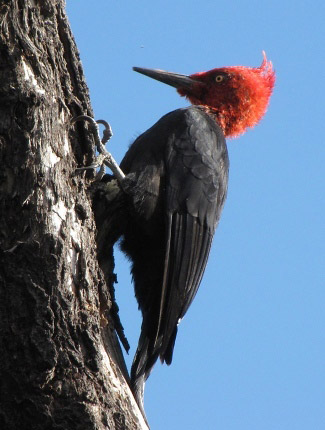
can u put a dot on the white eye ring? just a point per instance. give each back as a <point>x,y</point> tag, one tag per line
<point>219,78</point>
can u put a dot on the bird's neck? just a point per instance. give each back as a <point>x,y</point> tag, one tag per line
<point>232,122</point>
<point>216,116</point>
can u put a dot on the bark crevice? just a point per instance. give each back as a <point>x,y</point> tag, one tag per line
<point>60,361</point>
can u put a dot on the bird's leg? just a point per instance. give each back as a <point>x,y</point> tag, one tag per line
<point>104,158</point>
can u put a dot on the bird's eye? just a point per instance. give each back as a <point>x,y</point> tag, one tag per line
<point>219,78</point>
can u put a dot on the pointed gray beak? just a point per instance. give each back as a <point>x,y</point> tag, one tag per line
<point>173,79</point>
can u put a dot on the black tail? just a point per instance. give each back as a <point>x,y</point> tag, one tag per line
<point>148,351</point>
<point>142,365</point>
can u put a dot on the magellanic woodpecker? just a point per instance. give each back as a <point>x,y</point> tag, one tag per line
<point>177,176</point>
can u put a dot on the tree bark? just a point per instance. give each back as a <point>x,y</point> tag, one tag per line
<point>60,363</point>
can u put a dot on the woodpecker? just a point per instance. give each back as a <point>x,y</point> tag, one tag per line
<point>176,178</point>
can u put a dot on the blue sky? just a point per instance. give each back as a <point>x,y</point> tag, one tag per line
<point>250,352</point>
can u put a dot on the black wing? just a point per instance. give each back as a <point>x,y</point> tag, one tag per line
<point>179,172</point>
<point>196,179</point>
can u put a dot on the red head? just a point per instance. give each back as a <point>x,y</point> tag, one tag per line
<point>237,96</point>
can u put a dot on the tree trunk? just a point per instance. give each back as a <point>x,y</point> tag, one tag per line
<point>60,363</point>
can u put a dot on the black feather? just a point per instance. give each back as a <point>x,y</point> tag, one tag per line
<point>177,175</point>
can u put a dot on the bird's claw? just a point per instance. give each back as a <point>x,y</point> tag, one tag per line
<point>104,158</point>
<point>107,133</point>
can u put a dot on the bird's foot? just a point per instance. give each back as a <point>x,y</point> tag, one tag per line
<point>104,158</point>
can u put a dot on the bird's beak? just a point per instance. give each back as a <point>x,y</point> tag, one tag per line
<point>172,79</point>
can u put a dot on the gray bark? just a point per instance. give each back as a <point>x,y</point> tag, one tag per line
<point>60,363</point>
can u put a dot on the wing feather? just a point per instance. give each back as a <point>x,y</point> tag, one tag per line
<point>195,193</point>
<point>178,173</point>
<point>188,253</point>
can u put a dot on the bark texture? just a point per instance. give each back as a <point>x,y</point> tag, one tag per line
<point>60,363</point>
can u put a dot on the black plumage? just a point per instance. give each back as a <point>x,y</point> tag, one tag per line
<point>177,174</point>
<point>171,198</point>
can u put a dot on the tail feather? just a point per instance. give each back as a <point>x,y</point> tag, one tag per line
<point>137,387</point>
<point>167,355</point>
<point>142,365</point>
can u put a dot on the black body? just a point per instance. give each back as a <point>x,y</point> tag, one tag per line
<point>177,174</point>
